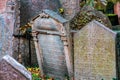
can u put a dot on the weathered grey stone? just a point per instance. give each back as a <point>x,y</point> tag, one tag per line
<point>71,7</point>
<point>10,69</point>
<point>55,47</point>
<point>51,45</point>
<point>8,21</point>
<point>94,53</point>
<point>30,8</point>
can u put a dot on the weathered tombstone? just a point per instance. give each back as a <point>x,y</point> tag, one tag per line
<point>94,53</point>
<point>8,21</point>
<point>4,35</point>
<point>51,43</point>
<point>10,69</point>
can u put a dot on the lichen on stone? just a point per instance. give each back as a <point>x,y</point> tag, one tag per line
<point>86,15</point>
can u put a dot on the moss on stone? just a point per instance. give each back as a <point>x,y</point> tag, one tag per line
<point>86,15</point>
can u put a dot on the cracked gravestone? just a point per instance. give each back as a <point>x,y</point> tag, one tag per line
<point>10,69</point>
<point>94,53</point>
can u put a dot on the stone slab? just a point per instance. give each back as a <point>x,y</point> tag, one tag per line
<point>8,22</point>
<point>53,56</point>
<point>94,53</point>
<point>10,69</point>
<point>51,42</point>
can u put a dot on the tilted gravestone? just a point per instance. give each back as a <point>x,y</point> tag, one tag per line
<point>10,69</point>
<point>51,43</point>
<point>94,53</point>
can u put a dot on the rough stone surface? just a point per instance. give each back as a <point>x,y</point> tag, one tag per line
<point>94,53</point>
<point>12,70</point>
<point>21,46</point>
<point>8,22</point>
<point>52,44</point>
<point>30,8</point>
<point>54,63</point>
<point>2,5</point>
<point>71,7</point>
<point>87,14</point>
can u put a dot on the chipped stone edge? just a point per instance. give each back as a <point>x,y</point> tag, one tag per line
<point>20,67</point>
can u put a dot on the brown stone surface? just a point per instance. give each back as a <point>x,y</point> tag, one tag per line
<point>12,70</point>
<point>94,53</point>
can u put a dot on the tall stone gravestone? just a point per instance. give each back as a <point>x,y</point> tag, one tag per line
<point>51,43</point>
<point>8,21</point>
<point>12,70</point>
<point>94,53</point>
